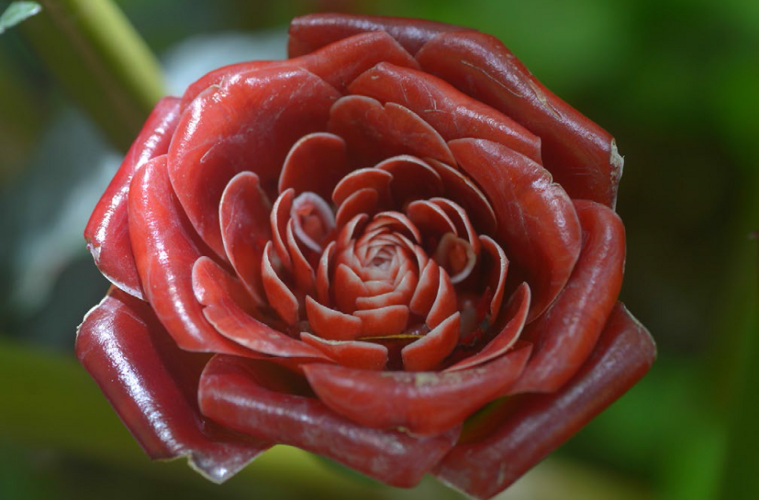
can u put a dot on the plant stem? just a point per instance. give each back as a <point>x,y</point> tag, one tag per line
<point>90,47</point>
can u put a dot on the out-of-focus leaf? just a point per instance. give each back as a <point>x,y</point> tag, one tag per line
<point>16,13</point>
<point>99,58</point>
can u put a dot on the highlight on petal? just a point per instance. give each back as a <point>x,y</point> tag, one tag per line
<point>425,403</point>
<point>507,442</point>
<point>152,385</point>
<point>279,295</point>
<point>166,247</point>
<point>266,401</point>
<point>107,231</point>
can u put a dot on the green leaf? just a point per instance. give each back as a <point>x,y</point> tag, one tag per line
<point>16,13</point>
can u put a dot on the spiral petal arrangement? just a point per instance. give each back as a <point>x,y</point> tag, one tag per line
<point>354,250</point>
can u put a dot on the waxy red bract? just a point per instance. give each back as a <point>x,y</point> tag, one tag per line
<point>354,250</point>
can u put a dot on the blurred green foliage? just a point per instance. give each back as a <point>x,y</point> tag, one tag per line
<point>676,83</point>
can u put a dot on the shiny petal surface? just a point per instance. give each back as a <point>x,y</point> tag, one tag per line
<point>237,325</point>
<point>250,123</point>
<point>537,223</point>
<point>330,324</point>
<point>581,155</point>
<point>258,399</point>
<point>244,217</point>
<point>425,403</point>
<point>311,32</point>
<point>375,132</point>
<point>515,438</point>
<point>452,113</point>
<point>565,335</point>
<point>165,249</point>
<point>107,232</point>
<point>152,385</point>
<point>316,163</point>
<point>350,353</point>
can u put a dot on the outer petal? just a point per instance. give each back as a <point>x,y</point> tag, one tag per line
<point>263,400</point>
<point>165,249</point>
<point>537,224</point>
<point>565,335</point>
<point>107,232</point>
<point>311,32</point>
<point>249,123</point>
<point>581,155</point>
<point>452,113</point>
<point>515,437</point>
<point>152,385</point>
<point>425,403</point>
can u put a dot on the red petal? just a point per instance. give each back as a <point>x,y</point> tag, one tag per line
<point>363,201</point>
<point>427,352</point>
<point>454,114</point>
<point>244,218</point>
<point>413,179</point>
<point>458,215</point>
<point>322,275</point>
<point>375,132</point>
<point>569,329</point>
<point>250,123</point>
<point>497,272</point>
<point>581,155</point>
<point>107,232</point>
<point>337,64</point>
<point>388,320</point>
<point>445,301</point>
<point>213,284</point>
<point>165,249</point>
<point>340,63</point>
<point>313,31</point>
<point>537,224</point>
<point>350,353</point>
<point>152,385</point>
<point>253,397</point>
<point>426,289</point>
<point>279,295</point>
<point>235,324</point>
<point>379,180</point>
<point>315,163</point>
<point>349,287</point>
<point>425,403</point>
<point>464,192</point>
<point>280,215</point>
<point>330,324</point>
<point>302,270</point>
<point>516,310</point>
<point>524,430</point>
<point>431,220</point>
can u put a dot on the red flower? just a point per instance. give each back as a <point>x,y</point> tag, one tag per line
<point>354,250</point>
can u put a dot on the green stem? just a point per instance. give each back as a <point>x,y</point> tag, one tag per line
<point>95,53</point>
